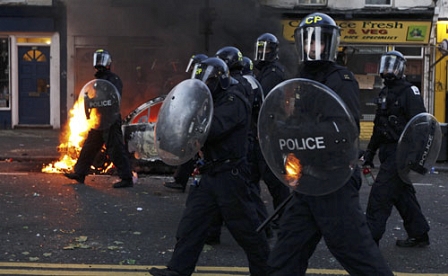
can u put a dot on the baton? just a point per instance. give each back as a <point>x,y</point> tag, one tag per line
<point>276,211</point>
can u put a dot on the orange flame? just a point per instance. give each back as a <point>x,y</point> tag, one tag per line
<point>293,170</point>
<point>73,139</point>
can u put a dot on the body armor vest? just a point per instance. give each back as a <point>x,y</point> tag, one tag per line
<point>390,119</point>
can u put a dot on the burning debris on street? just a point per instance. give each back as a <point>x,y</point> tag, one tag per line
<point>72,139</point>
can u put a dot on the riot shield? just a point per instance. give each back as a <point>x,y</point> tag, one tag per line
<point>308,137</point>
<point>138,130</point>
<point>418,147</point>
<point>183,122</point>
<point>101,103</point>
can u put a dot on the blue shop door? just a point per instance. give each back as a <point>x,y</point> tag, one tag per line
<point>34,85</point>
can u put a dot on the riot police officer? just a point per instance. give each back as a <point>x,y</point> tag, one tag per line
<point>397,103</point>
<point>258,94</point>
<point>184,171</point>
<point>112,137</point>
<point>223,186</point>
<point>233,57</point>
<point>335,216</point>
<point>270,72</point>
<point>235,61</point>
<point>253,157</point>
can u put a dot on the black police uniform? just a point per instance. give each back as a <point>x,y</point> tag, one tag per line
<point>254,97</point>
<point>257,101</point>
<point>269,75</point>
<point>223,189</point>
<point>244,85</point>
<point>398,102</point>
<point>112,137</point>
<point>337,217</point>
<point>253,152</point>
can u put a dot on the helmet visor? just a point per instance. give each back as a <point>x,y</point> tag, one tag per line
<point>262,50</point>
<point>190,65</point>
<point>316,43</point>
<point>211,76</point>
<point>391,66</point>
<point>101,59</point>
<point>203,73</point>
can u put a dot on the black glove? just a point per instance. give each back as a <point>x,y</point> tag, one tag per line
<point>368,158</point>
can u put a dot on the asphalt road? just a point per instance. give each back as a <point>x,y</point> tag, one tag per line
<point>51,226</point>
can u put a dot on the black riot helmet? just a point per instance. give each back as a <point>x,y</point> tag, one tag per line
<point>392,65</point>
<point>195,59</point>
<point>248,66</point>
<point>232,56</point>
<point>213,72</point>
<point>317,38</point>
<point>102,59</point>
<point>266,47</point>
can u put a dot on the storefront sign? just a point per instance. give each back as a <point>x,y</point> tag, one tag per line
<point>374,31</point>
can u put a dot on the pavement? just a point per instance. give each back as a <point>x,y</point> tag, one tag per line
<point>30,144</point>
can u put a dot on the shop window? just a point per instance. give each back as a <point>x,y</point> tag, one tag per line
<point>413,72</point>
<point>414,63</point>
<point>413,67</point>
<point>371,67</point>
<point>364,62</point>
<point>4,74</point>
<point>410,52</point>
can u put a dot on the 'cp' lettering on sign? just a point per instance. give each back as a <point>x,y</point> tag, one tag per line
<point>310,143</point>
<point>313,19</point>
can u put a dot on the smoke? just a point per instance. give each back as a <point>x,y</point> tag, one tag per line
<point>151,42</point>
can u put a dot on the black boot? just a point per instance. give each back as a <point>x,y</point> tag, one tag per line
<point>124,183</point>
<point>79,178</point>
<point>174,185</point>
<point>420,241</point>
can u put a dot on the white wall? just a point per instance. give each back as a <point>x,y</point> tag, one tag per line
<point>443,9</point>
<point>346,4</point>
<point>413,3</point>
